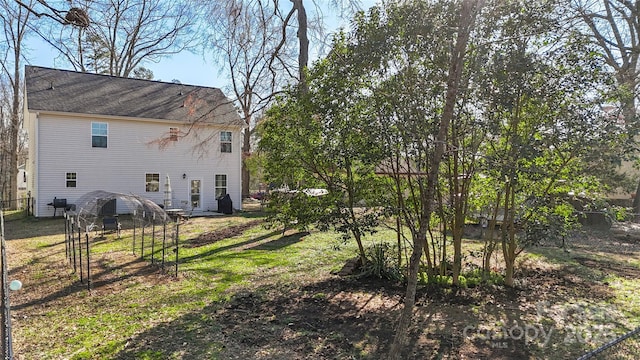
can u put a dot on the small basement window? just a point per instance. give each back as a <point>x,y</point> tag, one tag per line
<point>71,180</point>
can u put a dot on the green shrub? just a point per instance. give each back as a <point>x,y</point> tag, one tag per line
<point>382,263</point>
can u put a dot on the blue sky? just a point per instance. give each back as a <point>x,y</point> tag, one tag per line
<point>189,68</point>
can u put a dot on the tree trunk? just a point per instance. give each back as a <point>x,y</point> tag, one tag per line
<point>399,239</point>
<point>490,241</point>
<point>457,255</point>
<point>14,130</point>
<point>466,20</point>
<point>508,276</point>
<point>303,41</point>
<point>402,328</point>
<point>246,152</point>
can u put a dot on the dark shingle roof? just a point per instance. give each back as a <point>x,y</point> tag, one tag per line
<point>85,93</point>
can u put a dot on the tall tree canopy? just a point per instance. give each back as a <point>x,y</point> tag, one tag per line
<point>613,28</point>
<point>443,98</point>
<point>14,20</point>
<point>123,35</point>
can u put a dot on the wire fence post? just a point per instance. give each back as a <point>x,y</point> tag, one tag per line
<point>153,236</point>
<point>176,250</point>
<point>164,240</point>
<point>144,213</point>
<point>134,232</point>
<point>72,240</point>
<point>86,235</point>
<point>7,343</point>
<point>80,252</point>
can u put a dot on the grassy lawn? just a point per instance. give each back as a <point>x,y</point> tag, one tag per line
<point>247,292</point>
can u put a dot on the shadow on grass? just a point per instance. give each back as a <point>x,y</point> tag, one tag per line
<point>281,242</point>
<point>30,227</point>
<point>99,279</point>
<point>310,322</point>
<point>241,244</point>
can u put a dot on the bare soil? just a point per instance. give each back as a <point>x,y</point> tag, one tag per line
<point>220,234</point>
<point>342,317</point>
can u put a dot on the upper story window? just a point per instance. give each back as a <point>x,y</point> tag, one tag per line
<point>99,132</point>
<point>71,179</point>
<point>173,134</point>
<point>225,141</point>
<point>152,183</point>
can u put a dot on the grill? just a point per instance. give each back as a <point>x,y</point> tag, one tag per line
<point>60,204</point>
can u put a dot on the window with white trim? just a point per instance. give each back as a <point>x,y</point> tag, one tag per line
<point>71,179</point>
<point>221,185</point>
<point>152,182</point>
<point>99,133</point>
<point>225,141</point>
<point>173,134</point>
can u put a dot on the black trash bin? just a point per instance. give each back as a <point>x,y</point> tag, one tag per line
<point>225,204</point>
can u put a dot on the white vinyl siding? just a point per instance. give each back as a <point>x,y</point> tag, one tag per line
<point>122,166</point>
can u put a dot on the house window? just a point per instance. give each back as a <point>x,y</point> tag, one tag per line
<point>173,134</point>
<point>221,185</point>
<point>225,141</point>
<point>99,135</point>
<point>71,179</point>
<point>152,182</point>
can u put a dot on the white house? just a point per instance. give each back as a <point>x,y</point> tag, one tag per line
<point>22,180</point>
<point>92,132</point>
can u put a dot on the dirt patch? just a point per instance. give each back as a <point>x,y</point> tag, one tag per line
<point>217,235</point>
<point>341,318</point>
<point>610,267</point>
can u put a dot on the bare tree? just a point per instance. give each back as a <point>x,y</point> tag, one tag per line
<point>298,18</point>
<point>253,40</point>
<point>614,26</point>
<point>123,35</point>
<point>74,16</point>
<point>247,35</point>
<point>14,20</point>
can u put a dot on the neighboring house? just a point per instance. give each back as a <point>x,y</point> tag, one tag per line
<point>96,132</point>
<point>22,187</point>
<point>22,181</point>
